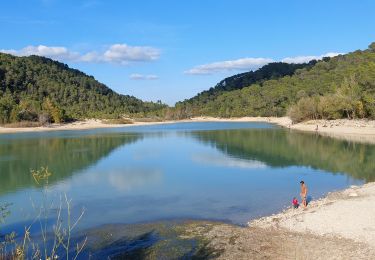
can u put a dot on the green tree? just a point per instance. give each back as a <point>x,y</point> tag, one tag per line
<point>53,111</point>
<point>7,104</point>
<point>337,87</point>
<point>73,94</point>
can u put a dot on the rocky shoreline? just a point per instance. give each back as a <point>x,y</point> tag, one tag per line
<point>338,226</point>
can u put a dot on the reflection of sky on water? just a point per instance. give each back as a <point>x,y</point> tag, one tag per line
<point>164,176</point>
<point>227,161</point>
<point>128,179</point>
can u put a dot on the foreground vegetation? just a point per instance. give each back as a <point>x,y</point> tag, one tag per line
<point>49,242</point>
<point>333,88</point>
<point>38,89</point>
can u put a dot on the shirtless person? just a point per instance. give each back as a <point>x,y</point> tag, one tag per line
<point>303,193</point>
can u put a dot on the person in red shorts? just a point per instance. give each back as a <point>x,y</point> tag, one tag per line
<point>295,203</point>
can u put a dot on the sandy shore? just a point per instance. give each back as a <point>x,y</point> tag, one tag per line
<point>78,125</point>
<point>339,226</point>
<point>352,130</point>
<point>96,124</point>
<point>348,214</point>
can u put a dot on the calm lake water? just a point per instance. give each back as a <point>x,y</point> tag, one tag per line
<point>220,171</point>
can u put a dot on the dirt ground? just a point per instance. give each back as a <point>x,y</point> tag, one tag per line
<point>232,242</point>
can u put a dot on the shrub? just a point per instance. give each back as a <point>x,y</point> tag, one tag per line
<point>305,109</point>
<point>44,118</point>
<point>330,107</point>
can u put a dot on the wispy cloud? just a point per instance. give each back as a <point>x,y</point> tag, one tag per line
<point>143,77</point>
<point>302,59</point>
<point>60,53</point>
<point>246,64</point>
<point>117,53</point>
<point>239,64</point>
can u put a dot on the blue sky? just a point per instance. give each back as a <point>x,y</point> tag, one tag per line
<point>171,50</point>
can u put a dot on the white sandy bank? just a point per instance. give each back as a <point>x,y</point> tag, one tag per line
<point>353,130</point>
<point>348,214</point>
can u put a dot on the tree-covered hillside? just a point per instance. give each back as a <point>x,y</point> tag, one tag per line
<point>339,87</point>
<point>272,70</point>
<point>39,89</point>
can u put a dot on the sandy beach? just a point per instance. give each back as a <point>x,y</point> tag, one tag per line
<point>348,214</point>
<point>352,130</point>
<point>78,125</point>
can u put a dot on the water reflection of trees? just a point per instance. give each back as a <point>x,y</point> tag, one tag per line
<point>281,148</point>
<point>63,156</point>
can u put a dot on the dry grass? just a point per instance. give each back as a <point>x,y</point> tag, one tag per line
<point>23,124</point>
<point>22,246</point>
<point>118,121</point>
<point>149,119</point>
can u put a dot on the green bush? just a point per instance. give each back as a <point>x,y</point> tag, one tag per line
<point>305,109</point>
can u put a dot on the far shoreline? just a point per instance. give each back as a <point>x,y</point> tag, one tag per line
<point>351,130</point>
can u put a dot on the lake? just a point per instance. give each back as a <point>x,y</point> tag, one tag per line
<point>215,171</point>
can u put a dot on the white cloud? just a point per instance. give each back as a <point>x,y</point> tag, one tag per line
<point>240,64</point>
<point>120,53</point>
<point>246,64</point>
<point>143,77</point>
<point>117,53</point>
<point>302,59</point>
<point>42,50</point>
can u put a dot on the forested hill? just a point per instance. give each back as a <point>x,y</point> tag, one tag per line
<point>36,88</point>
<point>339,87</point>
<point>272,70</point>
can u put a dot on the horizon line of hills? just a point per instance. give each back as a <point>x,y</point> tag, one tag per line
<point>41,90</point>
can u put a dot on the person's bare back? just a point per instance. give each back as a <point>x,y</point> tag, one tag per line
<point>303,193</point>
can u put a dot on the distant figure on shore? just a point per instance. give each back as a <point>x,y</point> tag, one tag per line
<point>295,203</point>
<point>317,128</point>
<point>303,193</point>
